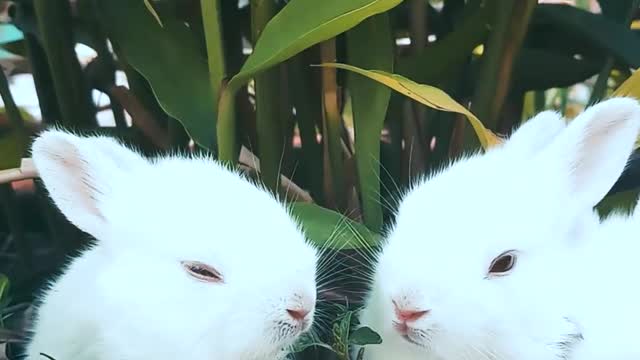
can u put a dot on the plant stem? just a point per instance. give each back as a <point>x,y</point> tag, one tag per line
<point>307,115</point>
<point>228,150</point>
<point>509,27</point>
<point>212,22</point>
<point>13,113</point>
<point>540,100</point>
<point>49,108</point>
<point>55,24</point>
<point>334,176</point>
<point>268,125</point>
<point>370,46</point>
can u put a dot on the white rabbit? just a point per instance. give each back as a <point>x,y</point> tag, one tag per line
<point>191,261</point>
<point>486,259</point>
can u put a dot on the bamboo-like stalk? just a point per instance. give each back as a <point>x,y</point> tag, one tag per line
<point>74,98</point>
<point>509,27</point>
<point>334,176</point>
<point>268,124</point>
<point>49,108</point>
<point>228,150</point>
<point>307,115</point>
<point>212,22</point>
<point>13,113</point>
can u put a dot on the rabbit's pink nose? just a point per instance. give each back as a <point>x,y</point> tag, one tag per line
<point>405,315</point>
<point>298,314</point>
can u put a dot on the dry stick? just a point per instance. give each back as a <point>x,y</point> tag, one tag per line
<point>141,117</point>
<point>27,170</point>
<point>249,162</point>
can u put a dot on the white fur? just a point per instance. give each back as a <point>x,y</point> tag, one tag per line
<point>128,297</point>
<point>450,227</point>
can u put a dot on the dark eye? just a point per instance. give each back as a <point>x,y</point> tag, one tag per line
<point>202,272</point>
<point>503,263</point>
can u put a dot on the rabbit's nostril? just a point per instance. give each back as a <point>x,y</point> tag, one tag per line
<point>298,314</point>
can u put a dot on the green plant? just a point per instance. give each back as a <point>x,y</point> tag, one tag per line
<point>307,88</point>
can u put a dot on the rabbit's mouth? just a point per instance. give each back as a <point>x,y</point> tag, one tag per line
<point>417,337</point>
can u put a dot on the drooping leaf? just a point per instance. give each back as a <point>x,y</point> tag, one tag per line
<point>364,336</point>
<point>301,24</point>
<point>604,33</point>
<point>169,57</point>
<point>630,87</point>
<point>370,46</point>
<point>327,228</point>
<point>298,26</point>
<point>427,95</point>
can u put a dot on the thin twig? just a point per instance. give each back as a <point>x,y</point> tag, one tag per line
<point>26,171</point>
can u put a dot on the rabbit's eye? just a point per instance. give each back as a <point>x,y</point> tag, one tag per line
<point>202,272</point>
<point>503,263</point>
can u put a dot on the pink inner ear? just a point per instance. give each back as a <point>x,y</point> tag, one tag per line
<point>596,140</point>
<point>77,169</point>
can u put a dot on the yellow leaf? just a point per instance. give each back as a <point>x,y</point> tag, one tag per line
<point>630,88</point>
<point>479,50</point>
<point>153,12</point>
<point>427,95</point>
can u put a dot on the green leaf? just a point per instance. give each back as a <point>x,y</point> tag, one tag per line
<point>14,138</point>
<point>301,24</point>
<point>560,70</point>
<point>298,26</point>
<point>308,340</point>
<point>449,53</point>
<point>153,11</point>
<point>369,45</point>
<point>427,95</point>
<point>4,286</point>
<point>341,331</point>
<point>170,58</point>
<point>622,202</point>
<point>609,36</point>
<point>13,146</point>
<point>327,228</point>
<point>364,336</point>
<point>615,9</point>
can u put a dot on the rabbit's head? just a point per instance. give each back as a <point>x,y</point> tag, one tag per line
<point>474,265</point>
<point>189,252</point>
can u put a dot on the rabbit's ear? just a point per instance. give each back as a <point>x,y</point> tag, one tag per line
<point>535,134</point>
<point>588,157</point>
<point>77,172</point>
